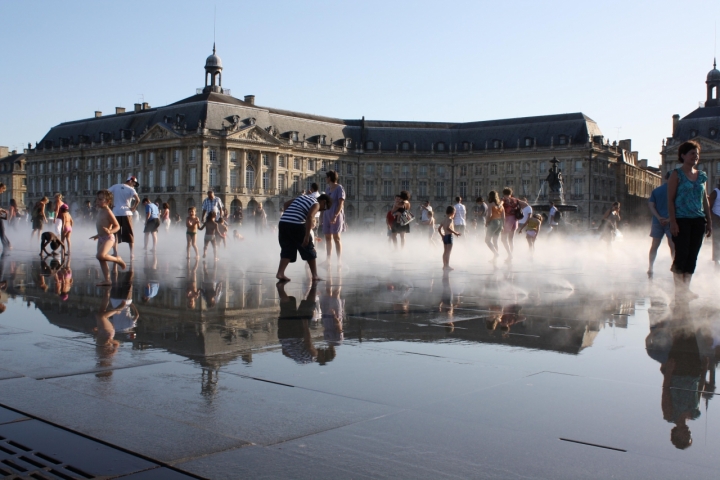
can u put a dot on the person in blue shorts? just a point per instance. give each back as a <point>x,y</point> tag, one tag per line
<point>658,205</point>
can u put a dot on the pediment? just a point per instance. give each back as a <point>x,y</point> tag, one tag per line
<point>254,134</point>
<point>157,132</point>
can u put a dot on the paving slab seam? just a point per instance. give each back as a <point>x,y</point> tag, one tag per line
<point>333,428</point>
<point>206,455</point>
<point>159,463</point>
<point>100,370</point>
<point>247,377</point>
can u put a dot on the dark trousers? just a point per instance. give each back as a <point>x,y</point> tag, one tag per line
<point>688,243</point>
<point>715,237</point>
<point>3,237</point>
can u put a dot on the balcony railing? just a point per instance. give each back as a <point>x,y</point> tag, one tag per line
<point>158,189</point>
<point>171,189</point>
<point>369,198</point>
<point>577,196</point>
<point>191,188</point>
<point>144,189</point>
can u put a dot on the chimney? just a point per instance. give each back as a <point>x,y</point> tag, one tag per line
<point>14,152</point>
<point>643,163</point>
<point>4,151</point>
<point>119,110</point>
<point>98,114</point>
<point>625,144</point>
<point>676,120</point>
<point>250,99</point>
<point>138,107</point>
<point>145,106</point>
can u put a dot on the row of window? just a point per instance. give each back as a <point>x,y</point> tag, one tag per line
<point>406,146</point>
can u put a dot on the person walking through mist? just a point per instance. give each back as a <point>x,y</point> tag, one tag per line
<point>658,205</point>
<point>333,221</point>
<point>689,212</point>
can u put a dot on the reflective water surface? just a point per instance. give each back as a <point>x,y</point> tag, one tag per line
<point>388,356</point>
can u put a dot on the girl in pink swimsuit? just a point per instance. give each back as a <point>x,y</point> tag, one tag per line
<point>66,225</point>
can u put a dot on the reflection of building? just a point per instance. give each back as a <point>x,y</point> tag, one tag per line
<point>249,154</point>
<point>701,125</point>
<point>13,175</point>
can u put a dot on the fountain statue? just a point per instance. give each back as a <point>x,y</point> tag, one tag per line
<point>555,183</point>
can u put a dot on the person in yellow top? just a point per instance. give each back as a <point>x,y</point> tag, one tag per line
<point>494,223</point>
<point>532,230</point>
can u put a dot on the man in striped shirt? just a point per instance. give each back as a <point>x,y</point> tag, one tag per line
<point>294,232</point>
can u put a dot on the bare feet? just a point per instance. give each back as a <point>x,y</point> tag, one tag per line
<point>317,279</point>
<point>448,268</point>
<point>282,278</point>
<point>121,263</point>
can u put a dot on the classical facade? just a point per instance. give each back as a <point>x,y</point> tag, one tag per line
<point>13,175</point>
<point>250,154</point>
<point>701,125</point>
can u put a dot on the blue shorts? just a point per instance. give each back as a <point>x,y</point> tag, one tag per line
<point>447,239</point>
<point>658,231</point>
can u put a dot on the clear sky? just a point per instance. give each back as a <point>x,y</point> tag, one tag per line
<point>626,64</point>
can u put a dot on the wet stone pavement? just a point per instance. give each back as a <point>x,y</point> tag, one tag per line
<point>386,369</point>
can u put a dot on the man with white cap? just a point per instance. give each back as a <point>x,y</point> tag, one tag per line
<point>126,201</point>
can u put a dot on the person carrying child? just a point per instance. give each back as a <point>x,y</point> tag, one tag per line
<point>446,231</point>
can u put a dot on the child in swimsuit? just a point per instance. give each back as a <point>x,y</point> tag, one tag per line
<point>222,232</point>
<point>66,225</point>
<point>446,231</point>
<point>192,223</point>
<point>106,226</point>
<point>211,229</point>
<point>532,230</point>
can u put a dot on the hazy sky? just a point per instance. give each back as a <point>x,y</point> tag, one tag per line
<point>628,64</point>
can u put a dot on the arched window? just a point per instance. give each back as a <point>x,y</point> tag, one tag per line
<point>369,145</point>
<point>405,146</point>
<point>466,146</point>
<point>249,176</point>
<point>562,140</point>
<point>496,143</point>
<point>528,142</point>
<point>440,146</point>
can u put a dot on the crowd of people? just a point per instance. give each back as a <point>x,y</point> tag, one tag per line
<point>681,209</point>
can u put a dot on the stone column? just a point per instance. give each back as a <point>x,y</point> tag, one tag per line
<point>243,167</point>
<point>275,167</point>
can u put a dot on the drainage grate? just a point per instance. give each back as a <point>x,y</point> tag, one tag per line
<point>19,461</point>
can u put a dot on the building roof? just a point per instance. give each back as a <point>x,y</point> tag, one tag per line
<point>217,111</point>
<point>704,122</point>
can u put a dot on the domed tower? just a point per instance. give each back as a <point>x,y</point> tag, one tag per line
<point>213,67</point>
<point>713,87</point>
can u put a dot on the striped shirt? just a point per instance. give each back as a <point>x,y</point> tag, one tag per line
<point>214,205</point>
<point>298,210</point>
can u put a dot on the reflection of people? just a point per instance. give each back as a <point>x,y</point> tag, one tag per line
<point>332,307</point>
<point>121,301</point>
<point>104,330</point>
<point>151,286</point>
<point>685,356</point>
<point>294,325</point>
<point>211,289</point>
<point>192,292</point>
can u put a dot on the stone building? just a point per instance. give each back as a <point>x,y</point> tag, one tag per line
<point>701,125</point>
<point>13,175</point>
<point>249,154</point>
